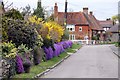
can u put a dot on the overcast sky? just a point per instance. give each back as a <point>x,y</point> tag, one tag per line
<point>102,9</point>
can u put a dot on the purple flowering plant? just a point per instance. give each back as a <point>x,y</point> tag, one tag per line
<point>24,53</point>
<point>19,65</point>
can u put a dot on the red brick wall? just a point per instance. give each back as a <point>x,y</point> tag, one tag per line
<point>80,34</point>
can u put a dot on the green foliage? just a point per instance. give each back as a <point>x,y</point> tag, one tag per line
<point>39,40</point>
<point>96,37</point>
<point>5,23</point>
<point>39,11</point>
<point>14,14</point>
<point>7,16</point>
<point>65,35</point>
<point>21,32</point>
<point>8,50</point>
<point>23,49</point>
<point>115,17</point>
<point>24,52</point>
<point>117,44</point>
<point>48,42</point>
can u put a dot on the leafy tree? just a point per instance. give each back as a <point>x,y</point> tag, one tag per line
<point>116,18</point>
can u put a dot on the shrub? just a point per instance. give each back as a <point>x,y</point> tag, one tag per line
<point>65,35</point>
<point>5,23</point>
<point>53,31</point>
<point>13,14</point>
<point>6,17</point>
<point>8,50</point>
<point>37,55</point>
<point>8,54</point>
<point>21,33</point>
<point>24,53</point>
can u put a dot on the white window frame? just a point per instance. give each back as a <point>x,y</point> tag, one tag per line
<point>72,37</point>
<point>69,27</point>
<point>80,28</point>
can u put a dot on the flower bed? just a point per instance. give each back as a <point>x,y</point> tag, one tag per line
<point>44,65</point>
<point>59,48</point>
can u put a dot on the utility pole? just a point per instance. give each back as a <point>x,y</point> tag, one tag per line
<point>65,15</point>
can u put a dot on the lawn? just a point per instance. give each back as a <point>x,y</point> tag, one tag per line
<point>73,48</point>
<point>117,44</point>
<point>45,65</point>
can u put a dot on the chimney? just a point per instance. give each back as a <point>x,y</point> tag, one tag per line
<point>55,10</point>
<point>91,13</point>
<point>85,10</point>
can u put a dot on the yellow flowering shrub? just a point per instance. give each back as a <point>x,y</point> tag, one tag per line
<point>35,20</point>
<point>52,30</point>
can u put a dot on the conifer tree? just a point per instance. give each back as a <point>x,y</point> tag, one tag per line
<point>39,11</point>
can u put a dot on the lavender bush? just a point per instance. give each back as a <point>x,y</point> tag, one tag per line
<point>59,48</point>
<point>19,65</point>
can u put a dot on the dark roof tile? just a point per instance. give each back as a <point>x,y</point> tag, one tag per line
<point>114,28</point>
<point>72,18</point>
<point>108,23</point>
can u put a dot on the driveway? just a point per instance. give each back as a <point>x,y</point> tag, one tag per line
<point>91,61</point>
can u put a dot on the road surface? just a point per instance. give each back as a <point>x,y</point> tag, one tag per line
<point>92,61</point>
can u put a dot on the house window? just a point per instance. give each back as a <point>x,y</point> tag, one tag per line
<point>80,28</point>
<point>105,29</point>
<point>70,27</point>
<point>71,37</point>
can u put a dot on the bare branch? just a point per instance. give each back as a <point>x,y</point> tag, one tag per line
<point>9,5</point>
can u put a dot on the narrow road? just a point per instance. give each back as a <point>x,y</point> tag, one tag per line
<point>92,61</point>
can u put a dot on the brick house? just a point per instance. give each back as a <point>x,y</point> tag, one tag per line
<point>81,25</point>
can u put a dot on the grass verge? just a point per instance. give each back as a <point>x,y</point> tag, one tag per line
<point>36,69</point>
<point>73,48</point>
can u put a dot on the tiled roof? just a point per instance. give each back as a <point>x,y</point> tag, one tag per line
<point>93,22</point>
<point>79,18</point>
<point>108,23</point>
<point>72,18</point>
<point>114,28</point>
